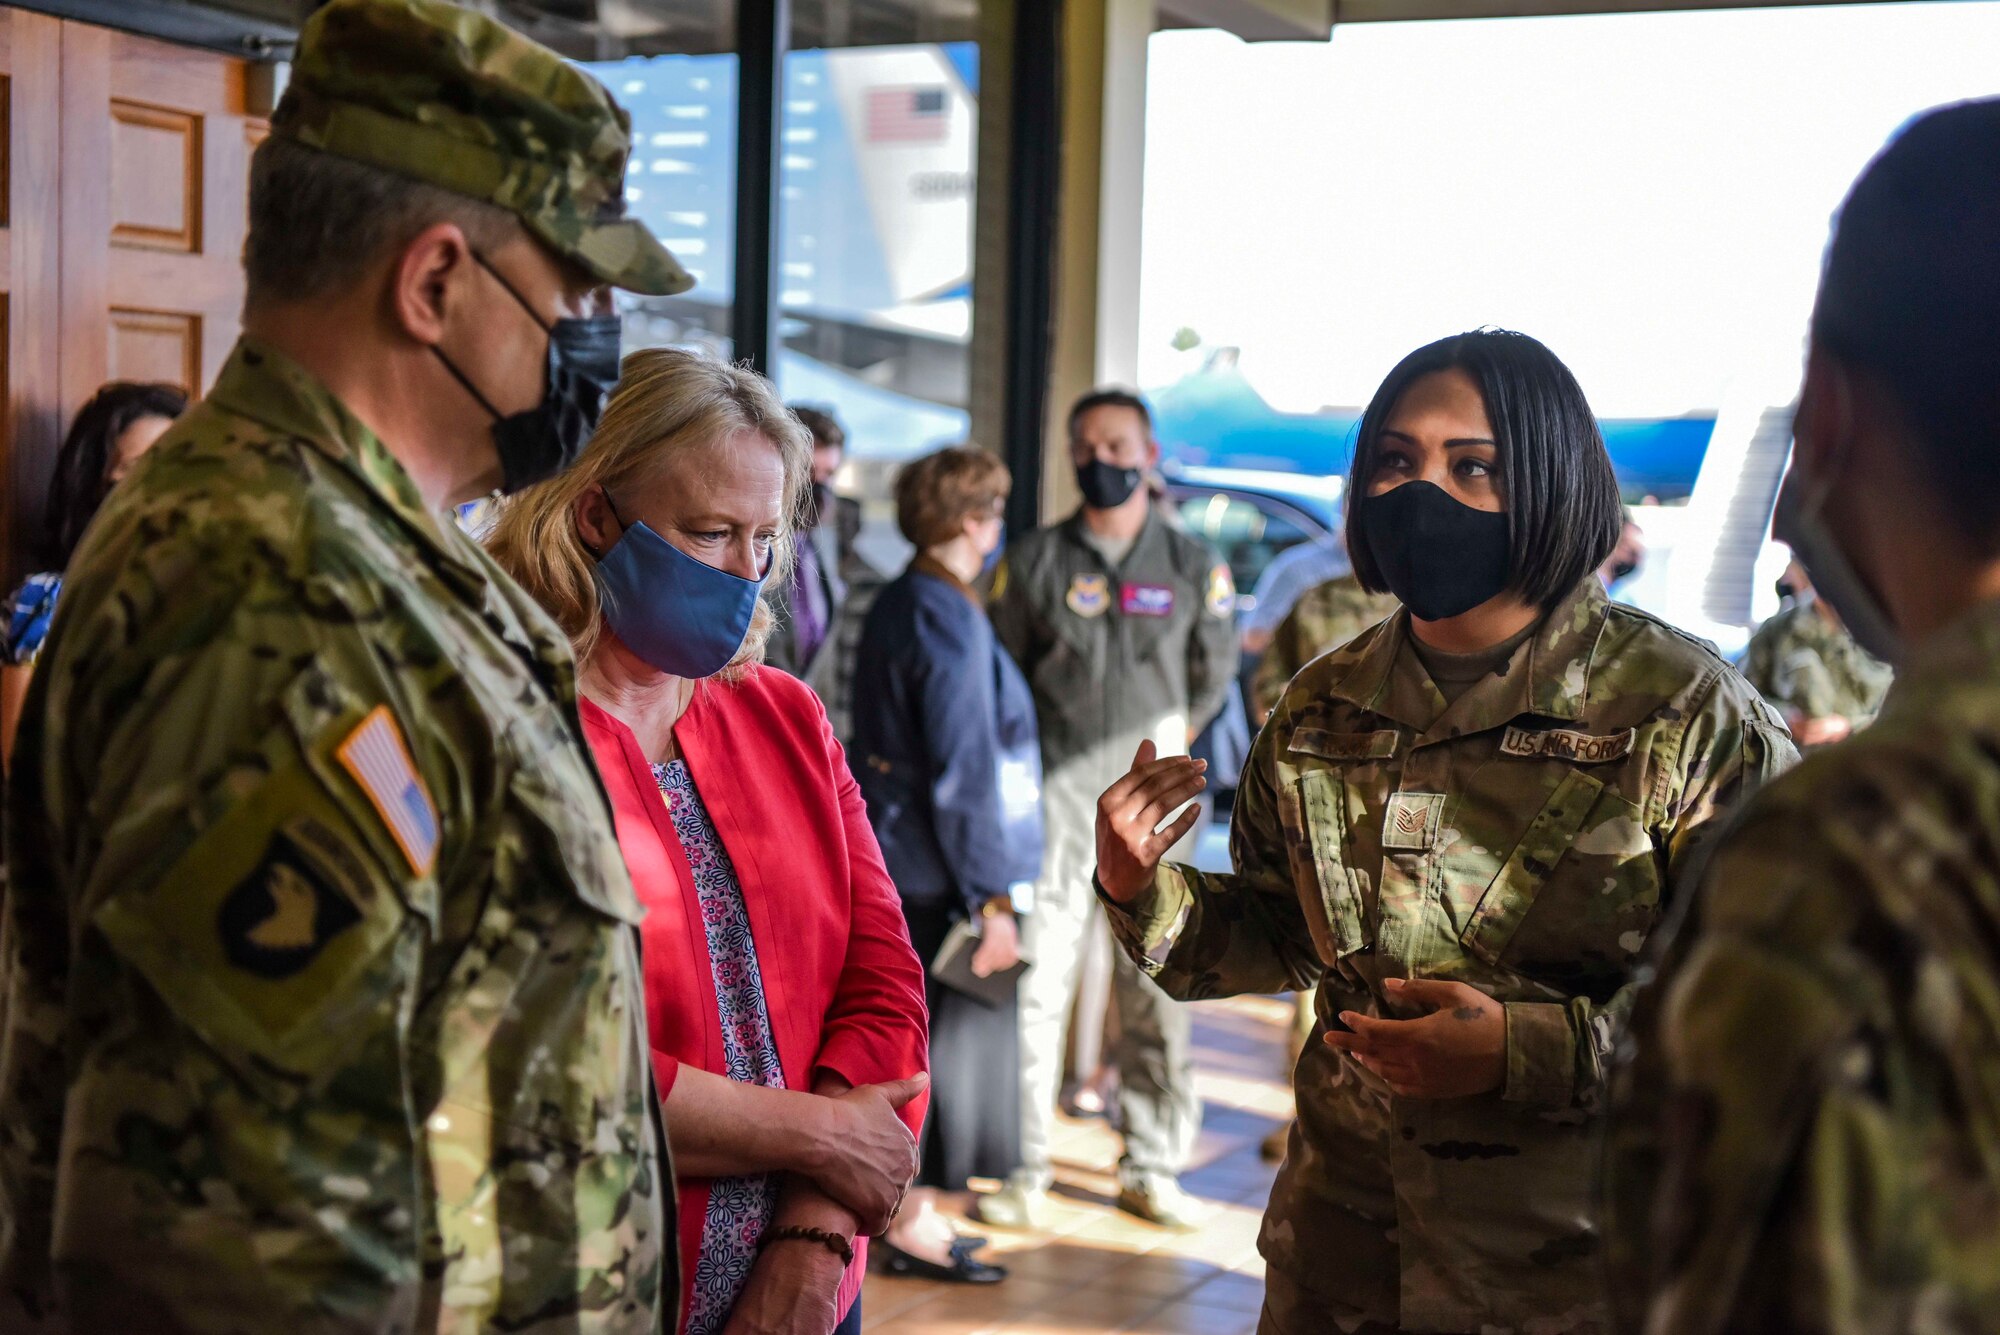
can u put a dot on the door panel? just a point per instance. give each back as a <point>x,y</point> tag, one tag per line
<point>124,171</point>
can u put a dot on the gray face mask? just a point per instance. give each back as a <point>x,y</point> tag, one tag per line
<point>1800,523</point>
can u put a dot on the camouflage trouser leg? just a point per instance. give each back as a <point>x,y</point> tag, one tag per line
<point>1156,1098</point>
<point>1290,1310</point>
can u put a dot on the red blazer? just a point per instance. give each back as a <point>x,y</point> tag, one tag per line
<point>844,989</point>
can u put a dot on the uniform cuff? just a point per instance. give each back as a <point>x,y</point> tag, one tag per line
<point>1541,1054</point>
<point>1151,924</point>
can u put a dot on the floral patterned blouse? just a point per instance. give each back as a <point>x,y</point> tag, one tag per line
<point>739,1208</point>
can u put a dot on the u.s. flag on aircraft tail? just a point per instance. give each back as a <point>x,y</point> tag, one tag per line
<point>908,114</point>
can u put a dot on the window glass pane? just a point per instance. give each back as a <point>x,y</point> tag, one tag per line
<point>879,133</point>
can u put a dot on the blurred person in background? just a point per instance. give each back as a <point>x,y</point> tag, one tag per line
<point>785,1004</point>
<point>1293,573</point>
<point>1812,671</point>
<point>1123,626</point>
<point>119,423</point>
<point>810,607</point>
<point>1806,1136</point>
<point>1626,558</point>
<point>1321,620</point>
<point>1463,825</point>
<point>950,762</point>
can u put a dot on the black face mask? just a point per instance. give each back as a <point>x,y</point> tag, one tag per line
<point>1440,557</point>
<point>1106,486</point>
<point>582,369</point>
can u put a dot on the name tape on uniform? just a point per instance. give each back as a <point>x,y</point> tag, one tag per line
<point>1345,745</point>
<point>1146,600</point>
<point>1583,747</point>
<point>379,759</point>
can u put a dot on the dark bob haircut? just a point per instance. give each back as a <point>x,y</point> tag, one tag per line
<point>1910,293</point>
<point>1111,398</point>
<point>1563,508</point>
<point>80,485</point>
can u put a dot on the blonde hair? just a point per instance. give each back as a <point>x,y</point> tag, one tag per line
<point>667,402</point>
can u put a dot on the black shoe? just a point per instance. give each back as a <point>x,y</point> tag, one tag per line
<point>962,1270</point>
<point>966,1244</point>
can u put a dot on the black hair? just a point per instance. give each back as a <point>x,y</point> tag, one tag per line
<point>1563,509</point>
<point>1910,293</point>
<point>827,432</point>
<point>1111,397</point>
<point>80,485</point>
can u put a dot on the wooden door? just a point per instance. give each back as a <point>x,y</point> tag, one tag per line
<point>124,167</point>
<point>155,149</point>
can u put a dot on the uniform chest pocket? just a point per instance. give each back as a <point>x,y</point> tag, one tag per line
<point>1500,911</point>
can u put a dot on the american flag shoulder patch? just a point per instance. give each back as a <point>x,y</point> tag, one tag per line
<point>379,759</point>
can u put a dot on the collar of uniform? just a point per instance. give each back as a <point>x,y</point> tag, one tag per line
<point>1077,530</point>
<point>1964,650</point>
<point>263,384</point>
<point>1555,682</point>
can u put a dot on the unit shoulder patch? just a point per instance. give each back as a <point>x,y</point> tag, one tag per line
<point>1221,598</point>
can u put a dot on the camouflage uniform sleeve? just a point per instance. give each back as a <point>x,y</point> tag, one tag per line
<point>1559,1054</point>
<point>1200,934</point>
<point>235,811</point>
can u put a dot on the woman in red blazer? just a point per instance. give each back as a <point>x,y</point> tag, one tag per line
<point>785,1006</point>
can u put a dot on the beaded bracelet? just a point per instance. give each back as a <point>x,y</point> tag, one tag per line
<point>833,1242</point>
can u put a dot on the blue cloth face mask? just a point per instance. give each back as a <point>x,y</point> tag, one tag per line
<point>682,615</point>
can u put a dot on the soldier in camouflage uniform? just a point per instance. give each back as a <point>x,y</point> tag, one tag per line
<point>1324,618</point>
<point>1806,1128</point>
<point>321,989</point>
<point>1466,849</point>
<point>1806,664</point>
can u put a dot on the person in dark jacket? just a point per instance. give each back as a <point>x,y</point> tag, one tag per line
<point>950,766</point>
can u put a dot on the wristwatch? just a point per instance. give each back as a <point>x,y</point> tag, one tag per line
<point>996,906</point>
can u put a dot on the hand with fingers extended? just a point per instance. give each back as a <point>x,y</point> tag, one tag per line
<point>1130,843</point>
<point>867,1157</point>
<point>1457,1049</point>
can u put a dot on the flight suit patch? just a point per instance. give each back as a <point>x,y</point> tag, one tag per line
<point>1089,595</point>
<point>1146,600</point>
<point>280,916</point>
<point>1221,598</point>
<point>1411,820</point>
<point>1564,744</point>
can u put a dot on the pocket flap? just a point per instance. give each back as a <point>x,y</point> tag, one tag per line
<point>1511,894</point>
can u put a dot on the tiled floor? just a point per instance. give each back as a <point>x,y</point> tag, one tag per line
<point>1100,1270</point>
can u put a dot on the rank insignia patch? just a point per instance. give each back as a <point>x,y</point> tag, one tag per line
<point>1411,820</point>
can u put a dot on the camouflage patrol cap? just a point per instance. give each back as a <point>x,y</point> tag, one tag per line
<point>439,93</point>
